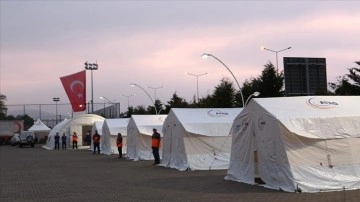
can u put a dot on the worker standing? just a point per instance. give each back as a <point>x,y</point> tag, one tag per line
<point>75,140</point>
<point>119,144</point>
<point>63,141</point>
<point>96,142</point>
<point>57,141</point>
<point>155,145</point>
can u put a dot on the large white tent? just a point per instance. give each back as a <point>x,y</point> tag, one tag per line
<point>110,130</point>
<point>306,144</point>
<point>41,130</point>
<point>78,124</point>
<point>139,132</point>
<point>198,139</point>
<point>97,126</point>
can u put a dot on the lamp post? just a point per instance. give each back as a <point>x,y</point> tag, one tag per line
<point>56,100</point>
<point>134,84</point>
<point>205,55</point>
<point>276,54</point>
<point>91,67</point>
<point>128,98</point>
<point>254,94</point>
<point>155,88</point>
<point>197,82</point>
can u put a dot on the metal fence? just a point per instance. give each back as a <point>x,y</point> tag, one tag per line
<point>51,114</point>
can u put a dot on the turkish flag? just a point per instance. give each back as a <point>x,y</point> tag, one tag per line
<point>75,88</point>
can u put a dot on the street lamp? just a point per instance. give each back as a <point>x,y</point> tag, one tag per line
<point>128,98</point>
<point>276,53</point>
<point>91,67</point>
<point>56,99</point>
<point>205,55</point>
<point>254,94</point>
<point>197,82</point>
<point>134,84</point>
<point>155,88</point>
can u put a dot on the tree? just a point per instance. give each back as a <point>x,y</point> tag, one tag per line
<point>349,84</point>
<point>140,110</point>
<point>269,83</point>
<point>3,109</point>
<point>28,121</point>
<point>177,102</point>
<point>224,94</point>
<point>222,97</point>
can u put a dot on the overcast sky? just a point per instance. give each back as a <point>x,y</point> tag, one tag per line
<point>153,43</point>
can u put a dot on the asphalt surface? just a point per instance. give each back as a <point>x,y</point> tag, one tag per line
<point>36,174</point>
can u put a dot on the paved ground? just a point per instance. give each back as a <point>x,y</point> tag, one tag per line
<point>36,174</point>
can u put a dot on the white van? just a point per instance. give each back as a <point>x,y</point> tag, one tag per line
<point>27,138</point>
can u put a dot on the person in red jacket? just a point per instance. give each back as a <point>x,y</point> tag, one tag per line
<point>96,142</point>
<point>119,144</point>
<point>155,145</point>
<point>75,140</point>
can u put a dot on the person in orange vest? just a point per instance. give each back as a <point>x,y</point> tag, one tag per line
<point>96,141</point>
<point>119,144</point>
<point>75,140</point>
<point>155,145</point>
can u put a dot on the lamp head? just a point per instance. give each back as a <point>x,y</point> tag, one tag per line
<point>205,55</point>
<point>256,94</point>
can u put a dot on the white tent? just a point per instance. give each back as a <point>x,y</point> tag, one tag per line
<point>110,130</point>
<point>97,126</point>
<point>41,130</point>
<point>77,124</point>
<point>198,139</point>
<point>139,132</point>
<point>307,144</point>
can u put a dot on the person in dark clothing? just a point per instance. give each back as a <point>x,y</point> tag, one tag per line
<point>57,141</point>
<point>96,141</point>
<point>63,141</point>
<point>88,138</point>
<point>155,145</point>
<point>119,144</point>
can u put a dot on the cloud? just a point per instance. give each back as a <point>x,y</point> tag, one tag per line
<point>153,44</point>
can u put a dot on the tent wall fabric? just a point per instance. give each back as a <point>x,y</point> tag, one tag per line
<point>307,144</point>
<point>68,126</point>
<point>198,139</point>
<point>97,126</point>
<point>41,130</point>
<point>110,130</point>
<point>139,132</point>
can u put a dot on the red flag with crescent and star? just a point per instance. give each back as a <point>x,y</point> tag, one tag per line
<point>75,88</point>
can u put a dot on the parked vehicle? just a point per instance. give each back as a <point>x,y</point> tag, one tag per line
<point>8,128</point>
<point>15,139</point>
<point>27,138</point>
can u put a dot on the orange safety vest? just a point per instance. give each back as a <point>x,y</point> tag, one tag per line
<point>75,138</point>
<point>96,138</point>
<point>119,142</point>
<point>155,142</point>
